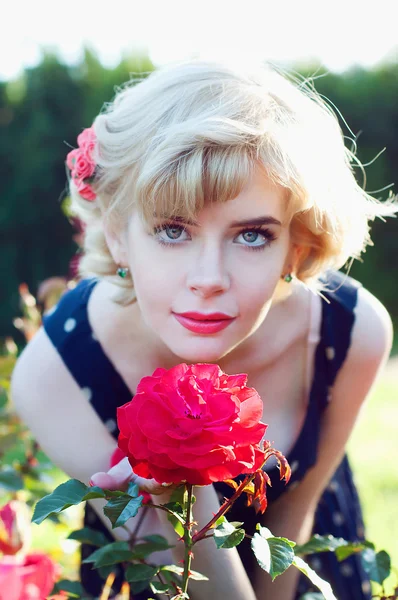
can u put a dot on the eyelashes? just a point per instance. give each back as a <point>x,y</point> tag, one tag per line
<point>173,234</point>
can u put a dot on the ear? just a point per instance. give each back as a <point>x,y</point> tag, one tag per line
<point>293,258</point>
<point>117,244</point>
<point>298,253</point>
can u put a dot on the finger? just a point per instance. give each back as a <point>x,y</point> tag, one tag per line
<point>152,486</point>
<point>104,481</point>
<point>117,478</point>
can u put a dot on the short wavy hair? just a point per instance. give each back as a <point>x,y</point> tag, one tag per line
<point>193,132</point>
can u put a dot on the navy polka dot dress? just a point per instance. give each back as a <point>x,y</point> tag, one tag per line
<point>338,511</point>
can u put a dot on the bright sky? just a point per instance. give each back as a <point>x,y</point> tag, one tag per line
<point>339,33</point>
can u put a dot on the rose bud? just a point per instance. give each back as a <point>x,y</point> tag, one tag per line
<point>15,532</point>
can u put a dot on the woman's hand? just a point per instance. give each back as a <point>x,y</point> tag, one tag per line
<point>119,476</point>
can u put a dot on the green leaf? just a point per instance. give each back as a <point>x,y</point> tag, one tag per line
<point>198,576</point>
<point>110,554</point>
<point>67,494</point>
<point>179,571</point>
<point>352,548</point>
<point>94,492</point>
<point>175,507</point>
<point>172,569</point>
<point>177,518</point>
<point>11,480</point>
<point>133,490</point>
<point>74,588</point>
<point>138,586</point>
<point>227,536</point>
<point>320,543</point>
<point>159,540</point>
<point>120,510</point>
<point>140,572</point>
<point>159,588</point>
<point>273,554</point>
<point>266,533</point>
<point>320,583</point>
<point>144,550</point>
<point>89,536</point>
<point>377,565</point>
<point>104,572</point>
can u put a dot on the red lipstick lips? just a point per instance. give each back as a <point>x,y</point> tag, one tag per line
<point>204,323</point>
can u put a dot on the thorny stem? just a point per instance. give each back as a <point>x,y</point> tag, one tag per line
<point>187,540</point>
<point>223,509</point>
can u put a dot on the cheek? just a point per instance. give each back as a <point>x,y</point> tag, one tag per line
<point>154,278</point>
<point>255,280</point>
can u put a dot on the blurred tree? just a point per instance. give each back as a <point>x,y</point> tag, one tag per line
<point>41,115</point>
<point>368,102</point>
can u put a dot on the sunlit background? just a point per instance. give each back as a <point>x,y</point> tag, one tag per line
<point>338,34</point>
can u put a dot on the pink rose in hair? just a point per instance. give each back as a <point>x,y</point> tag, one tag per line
<point>81,163</point>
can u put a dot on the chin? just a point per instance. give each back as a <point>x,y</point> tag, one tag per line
<point>200,355</point>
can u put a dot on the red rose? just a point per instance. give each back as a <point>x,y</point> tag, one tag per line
<point>192,423</point>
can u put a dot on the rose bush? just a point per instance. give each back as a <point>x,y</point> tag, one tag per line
<point>194,424</point>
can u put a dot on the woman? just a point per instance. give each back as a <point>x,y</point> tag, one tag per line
<point>218,205</point>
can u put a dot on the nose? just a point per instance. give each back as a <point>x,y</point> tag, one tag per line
<point>208,275</point>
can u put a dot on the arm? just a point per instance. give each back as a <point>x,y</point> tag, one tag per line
<point>292,516</point>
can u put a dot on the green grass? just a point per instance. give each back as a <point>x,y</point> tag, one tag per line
<point>373,452</point>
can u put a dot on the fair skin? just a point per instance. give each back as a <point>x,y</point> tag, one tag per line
<point>209,268</point>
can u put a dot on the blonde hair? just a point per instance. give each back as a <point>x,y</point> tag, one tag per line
<point>193,132</point>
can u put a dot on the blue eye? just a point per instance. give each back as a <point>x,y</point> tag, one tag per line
<point>171,233</point>
<point>256,238</point>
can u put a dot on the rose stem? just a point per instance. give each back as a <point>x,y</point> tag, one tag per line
<point>187,540</point>
<point>223,509</point>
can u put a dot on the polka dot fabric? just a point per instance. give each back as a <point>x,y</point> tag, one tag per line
<point>338,511</point>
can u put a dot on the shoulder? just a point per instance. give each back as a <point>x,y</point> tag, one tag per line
<point>42,367</point>
<point>372,333</point>
<point>358,321</point>
<point>40,377</point>
<point>371,341</point>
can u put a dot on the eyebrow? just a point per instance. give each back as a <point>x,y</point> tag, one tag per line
<point>266,220</point>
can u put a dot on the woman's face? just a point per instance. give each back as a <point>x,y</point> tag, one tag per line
<point>221,269</point>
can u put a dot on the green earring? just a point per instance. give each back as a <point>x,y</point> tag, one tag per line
<point>122,272</point>
<point>288,278</point>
